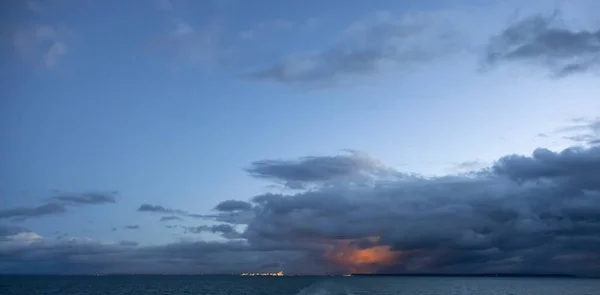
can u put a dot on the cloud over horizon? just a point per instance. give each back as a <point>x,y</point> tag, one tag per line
<point>202,115</point>
<point>536,213</point>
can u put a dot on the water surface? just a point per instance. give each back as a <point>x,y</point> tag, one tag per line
<point>229,285</point>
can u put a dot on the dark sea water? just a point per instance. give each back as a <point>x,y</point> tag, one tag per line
<point>221,285</point>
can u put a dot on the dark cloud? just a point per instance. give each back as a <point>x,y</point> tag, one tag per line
<point>29,212</point>
<point>544,40</point>
<point>503,218</point>
<point>575,166</point>
<point>131,227</point>
<point>297,174</point>
<point>537,213</point>
<point>225,230</point>
<point>89,198</point>
<point>233,205</point>
<point>365,48</point>
<point>170,218</point>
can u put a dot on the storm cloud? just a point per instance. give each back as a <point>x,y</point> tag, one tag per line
<point>546,41</point>
<point>536,214</point>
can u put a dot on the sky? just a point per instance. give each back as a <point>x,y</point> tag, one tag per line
<point>311,137</point>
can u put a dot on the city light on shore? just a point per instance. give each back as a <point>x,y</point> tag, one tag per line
<point>263,274</point>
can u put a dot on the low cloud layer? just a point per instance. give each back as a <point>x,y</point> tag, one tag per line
<point>535,214</point>
<point>546,41</point>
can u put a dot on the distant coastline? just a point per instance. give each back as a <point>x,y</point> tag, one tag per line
<point>488,275</point>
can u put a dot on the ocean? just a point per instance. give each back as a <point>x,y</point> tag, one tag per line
<point>230,285</point>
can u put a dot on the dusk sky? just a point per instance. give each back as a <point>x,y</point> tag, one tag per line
<point>312,137</point>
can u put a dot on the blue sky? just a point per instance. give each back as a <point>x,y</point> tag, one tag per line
<point>167,102</point>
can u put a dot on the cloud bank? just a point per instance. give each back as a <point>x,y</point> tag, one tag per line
<point>535,214</point>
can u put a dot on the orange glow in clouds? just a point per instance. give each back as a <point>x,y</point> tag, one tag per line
<point>357,260</point>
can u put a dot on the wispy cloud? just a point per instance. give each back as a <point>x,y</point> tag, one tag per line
<point>225,230</point>
<point>37,211</point>
<point>545,40</point>
<point>582,131</point>
<point>170,218</point>
<point>40,42</point>
<point>34,6</point>
<point>59,204</point>
<point>164,4</point>
<point>160,209</point>
<point>365,48</point>
<point>157,209</point>
<point>88,198</point>
<point>191,42</point>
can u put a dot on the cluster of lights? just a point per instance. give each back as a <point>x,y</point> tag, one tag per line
<point>264,274</point>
